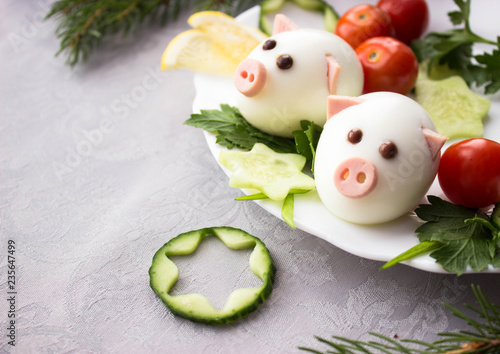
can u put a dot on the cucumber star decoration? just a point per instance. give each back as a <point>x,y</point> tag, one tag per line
<point>456,110</point>
<point>276,175</point>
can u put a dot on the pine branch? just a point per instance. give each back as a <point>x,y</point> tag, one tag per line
<point>84,23</point>
<point>483,337</point>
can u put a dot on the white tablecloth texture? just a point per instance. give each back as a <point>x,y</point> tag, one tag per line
<point>98,171</point>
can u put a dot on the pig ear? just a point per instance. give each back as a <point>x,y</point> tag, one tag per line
<point>435,141</point>
<point>336,103</point>
<point>332,73</point>
<point>283,24</point>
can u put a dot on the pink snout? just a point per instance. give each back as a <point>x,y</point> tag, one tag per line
<point>250,77</point>
<point>355,177</point>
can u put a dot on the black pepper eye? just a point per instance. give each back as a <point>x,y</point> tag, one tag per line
<point>284,61</point>
<point>388,150</point>
<point>354,136</point>
<point>269,44</point>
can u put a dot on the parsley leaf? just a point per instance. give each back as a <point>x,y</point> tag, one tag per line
<point>466,243</point>
<point>496,260</point>
<point>462,16</point>
<point>488,72</point>
<point>454,49</point>
<point>457,237</point>
<point>233,130</point>
<point>306,140</point>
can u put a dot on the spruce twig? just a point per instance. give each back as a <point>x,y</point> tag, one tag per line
<point>84,23</point>
<point>483,336</point>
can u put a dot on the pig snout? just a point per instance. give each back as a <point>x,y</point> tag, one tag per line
<point>355,177</point>
<point>250,77</point>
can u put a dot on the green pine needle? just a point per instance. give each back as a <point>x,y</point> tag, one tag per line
<point>483,336</point>
<point>83,24</point>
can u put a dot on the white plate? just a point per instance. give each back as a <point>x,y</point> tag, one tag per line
<point>378,242</point>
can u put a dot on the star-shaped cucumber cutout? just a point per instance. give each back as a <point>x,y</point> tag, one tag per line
<point>456,111</point>
<point>274,174</point>
<point>163,274</point>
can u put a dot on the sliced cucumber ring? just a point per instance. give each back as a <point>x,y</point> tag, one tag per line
<point>268,8</point>
<point>164,273</point>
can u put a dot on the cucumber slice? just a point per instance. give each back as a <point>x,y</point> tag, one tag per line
<point>456,111</point>
<point>164,273</point>
<point>274,174</point>
<point>269,8</point>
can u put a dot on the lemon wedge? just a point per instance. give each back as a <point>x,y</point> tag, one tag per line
<point>216,44</point>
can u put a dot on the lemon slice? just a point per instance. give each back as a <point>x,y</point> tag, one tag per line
<point>456,111</point>
<point>216,44</point>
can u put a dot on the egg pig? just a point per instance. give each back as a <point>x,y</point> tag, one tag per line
<point>288,77</point>
<point>376,158</point>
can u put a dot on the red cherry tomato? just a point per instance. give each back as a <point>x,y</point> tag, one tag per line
<point>410,18</point>
<point>362,22</point>
<point>388,65</point>
<point>469,173</point>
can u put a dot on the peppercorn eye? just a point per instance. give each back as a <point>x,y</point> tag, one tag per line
<point>354,136</point>
<point>284,61</point>
<point>388,150</point>
<point>269,44</point>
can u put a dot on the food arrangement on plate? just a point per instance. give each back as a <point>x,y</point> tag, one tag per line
<point>342,137</point>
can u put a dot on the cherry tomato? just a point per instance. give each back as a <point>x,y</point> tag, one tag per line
<point>388,65</point>
<point>362,22</point>
<point>410,18</point>
<point>469,172</point>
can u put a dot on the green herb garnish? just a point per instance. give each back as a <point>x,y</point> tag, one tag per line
<point>453,48</point>
<point>457,237</point>
<point>306,140</point>
<point>233,130</point>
